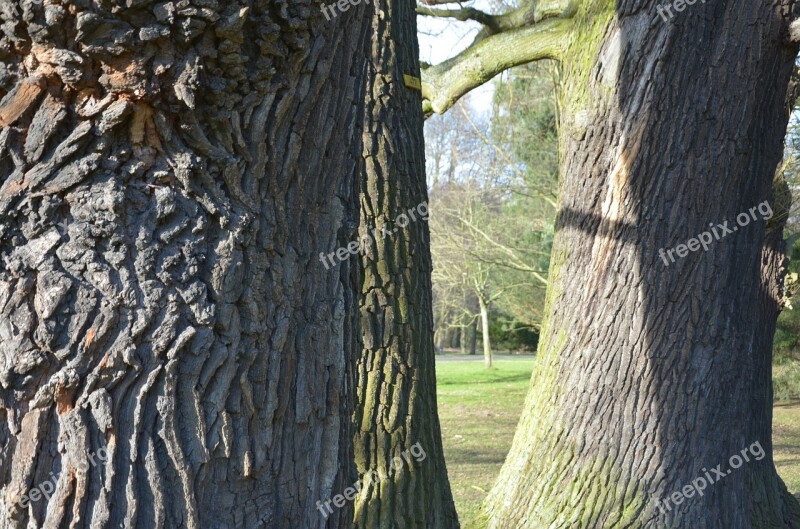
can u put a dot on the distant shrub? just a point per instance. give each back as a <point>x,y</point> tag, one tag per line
<point>787,337</point>
<point>509,335</point>
<point>786,358</point>
<point>786,381</point>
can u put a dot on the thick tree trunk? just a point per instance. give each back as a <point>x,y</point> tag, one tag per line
<point>487,342</point>
<point>398,437</point>
<point>650,372</point>
<point>169,174</point>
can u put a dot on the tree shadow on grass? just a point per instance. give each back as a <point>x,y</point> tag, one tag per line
<point>519,377</point>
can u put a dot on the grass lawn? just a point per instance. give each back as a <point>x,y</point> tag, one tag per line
<point>479,410</point>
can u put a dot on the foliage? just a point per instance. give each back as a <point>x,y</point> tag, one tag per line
<point>508,335</point>
<point>787,334</point>
<point>786,381</point>
<point>786,371</point>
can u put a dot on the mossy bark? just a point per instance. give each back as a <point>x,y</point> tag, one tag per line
<point>650,373</point>
<point>396,382</point>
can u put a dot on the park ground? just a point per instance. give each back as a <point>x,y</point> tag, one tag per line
<point>479,410</point>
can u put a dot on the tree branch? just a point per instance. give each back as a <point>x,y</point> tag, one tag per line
<point>467,13</point>
<point>527,14</point>
<point>445,83</point>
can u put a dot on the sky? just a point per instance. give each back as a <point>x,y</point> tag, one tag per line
<point>440,39</point>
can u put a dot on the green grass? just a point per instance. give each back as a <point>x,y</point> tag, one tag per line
<point>786,441</point>
<point>479,410</point>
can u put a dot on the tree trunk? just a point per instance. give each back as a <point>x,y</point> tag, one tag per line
<point>398,438</point>
<point>451,169</point>
<point>651,372</point>
<point>173,352</point>
<point>487,342</point>
<point>473,342</point>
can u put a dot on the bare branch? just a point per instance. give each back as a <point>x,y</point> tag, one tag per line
<point>547,197</point>
<point>467,13</point>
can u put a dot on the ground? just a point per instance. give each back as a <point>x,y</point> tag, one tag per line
<point>479,411</point>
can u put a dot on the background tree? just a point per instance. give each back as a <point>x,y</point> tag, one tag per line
<point>458,270</point>
<point>447,138</point>
<point>493,218</point>
<point>168,178</point>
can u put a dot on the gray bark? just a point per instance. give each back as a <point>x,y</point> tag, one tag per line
<point>169,173</point>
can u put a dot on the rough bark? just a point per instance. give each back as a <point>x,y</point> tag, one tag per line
<point>169,173</point>
<point>396,371</point>
<point>649,375</point>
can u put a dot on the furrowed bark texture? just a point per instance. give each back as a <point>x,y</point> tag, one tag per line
<point>398,438</point>
<point>651,375</point>
<point>169,173</point>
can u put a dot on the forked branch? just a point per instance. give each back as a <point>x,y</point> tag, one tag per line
<point>445,83</point>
